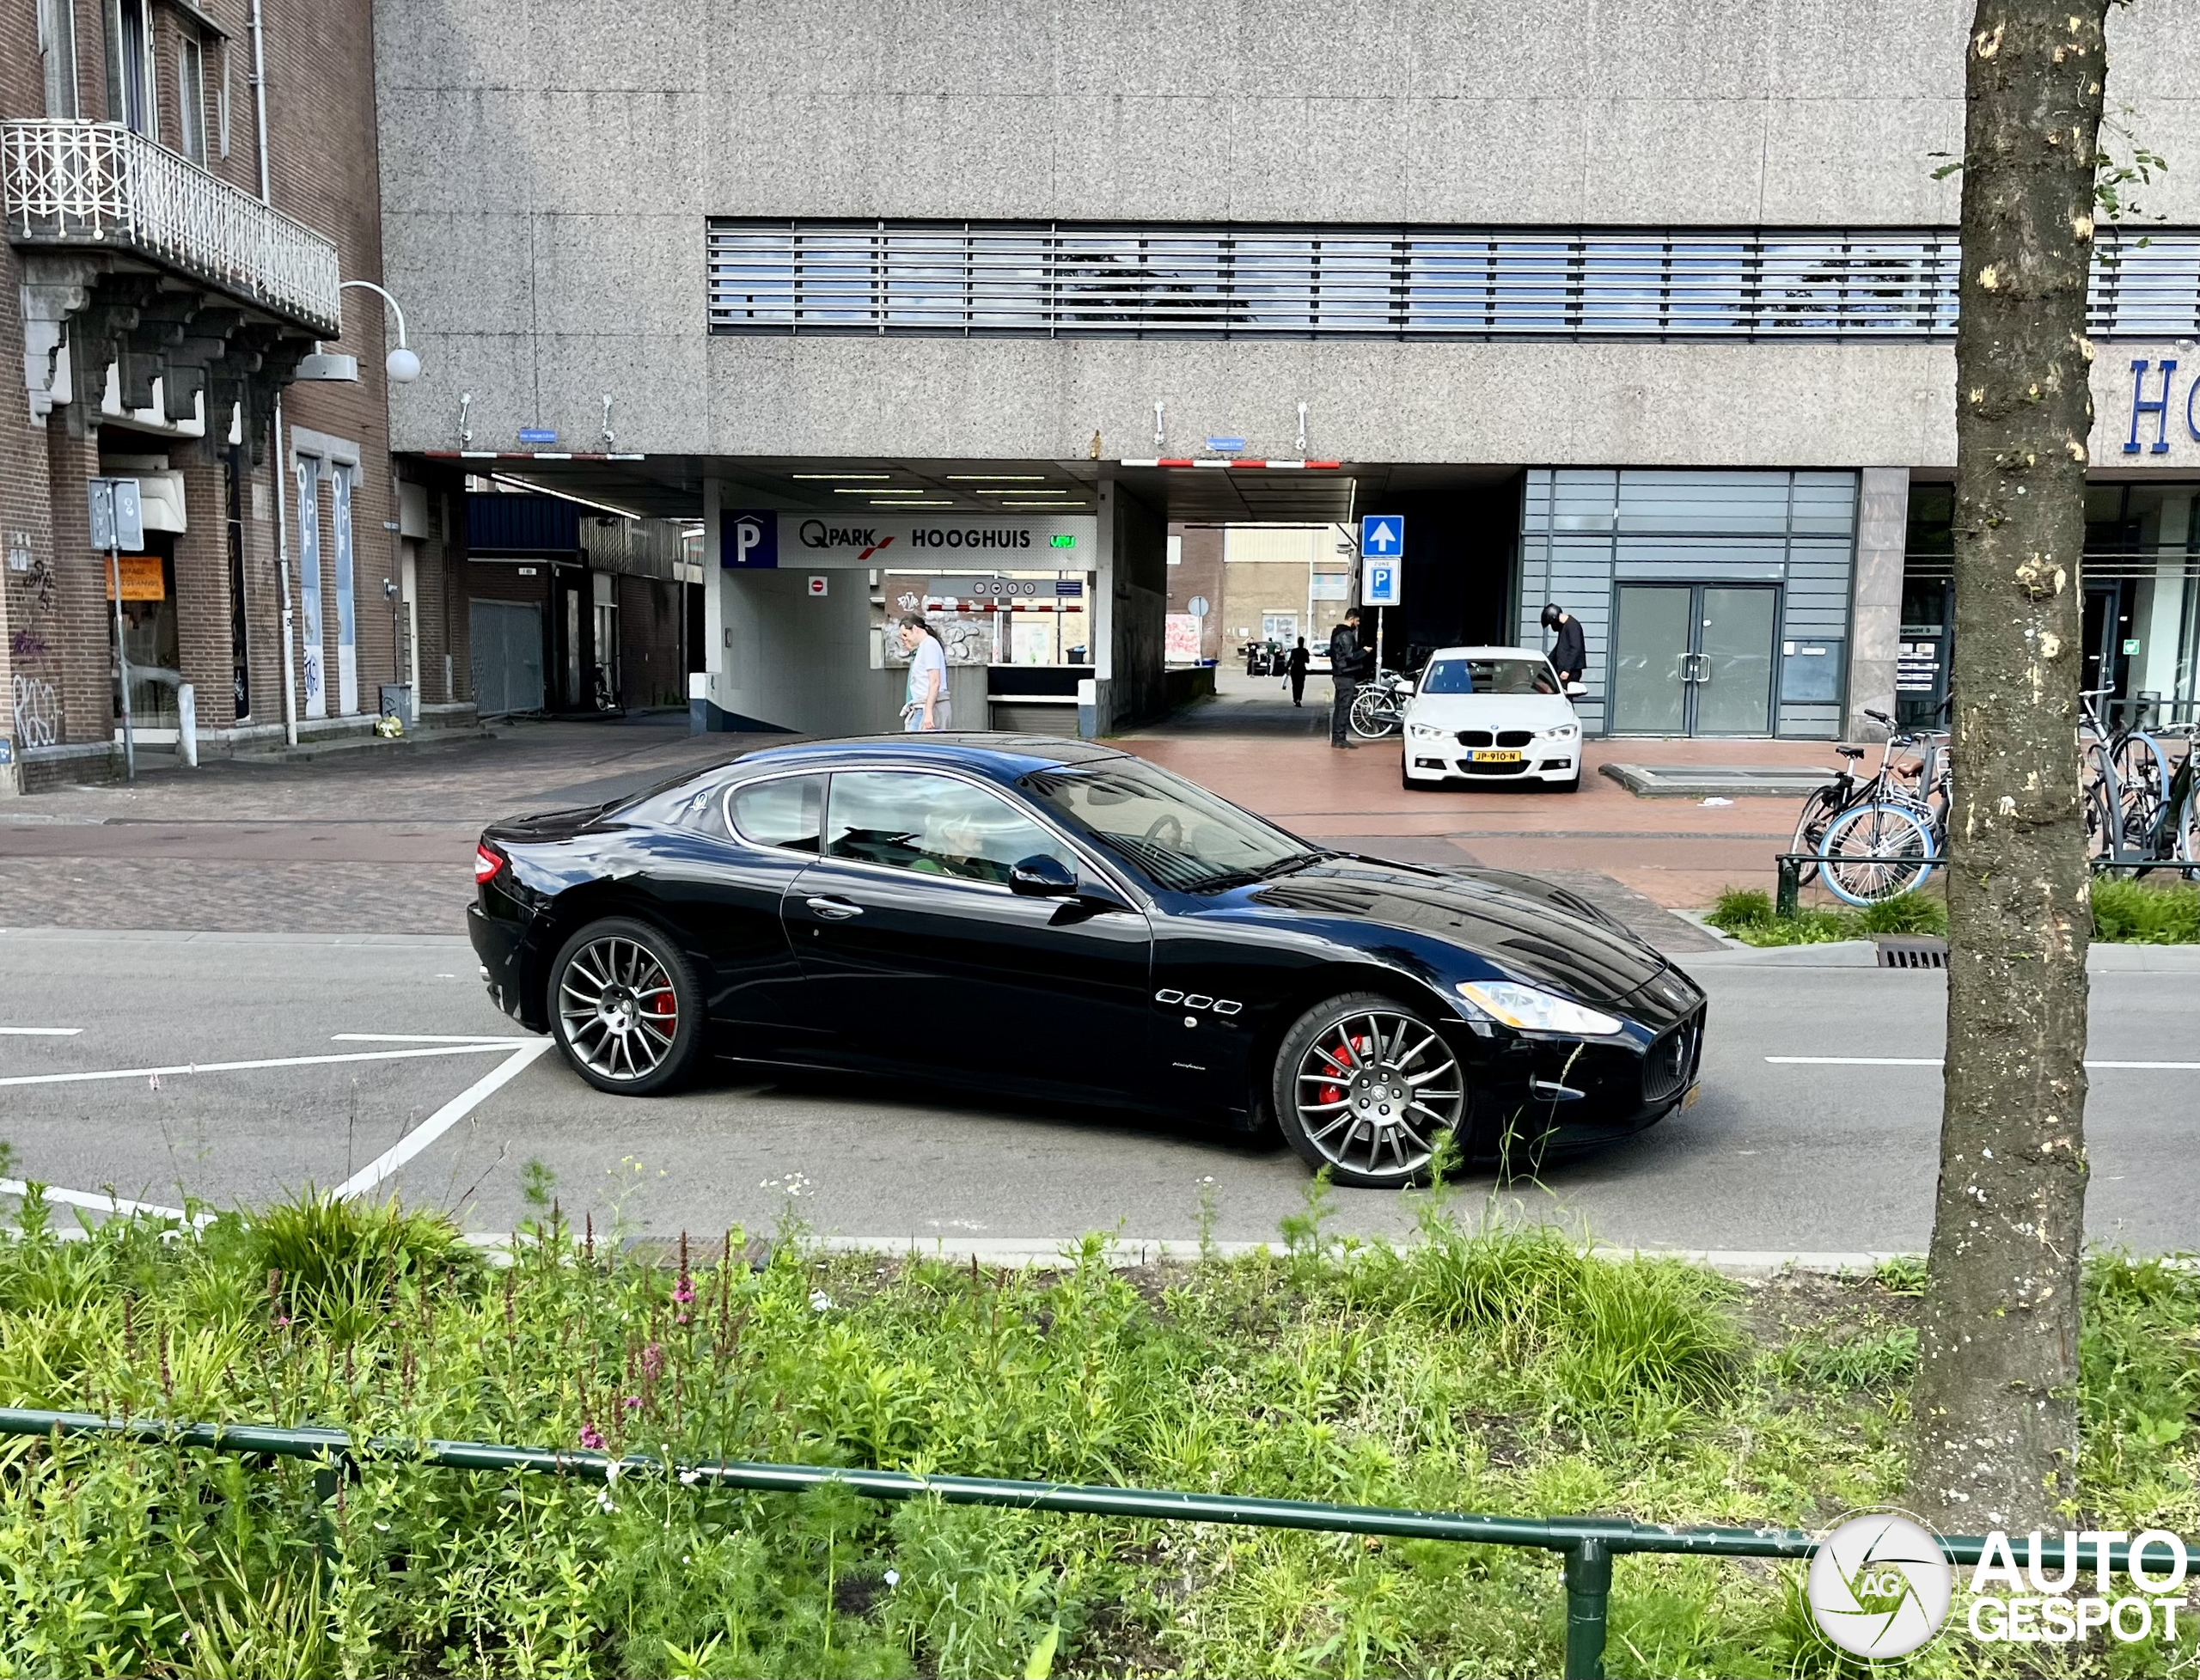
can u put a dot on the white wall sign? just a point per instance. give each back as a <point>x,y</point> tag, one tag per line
<point>1044,542</point>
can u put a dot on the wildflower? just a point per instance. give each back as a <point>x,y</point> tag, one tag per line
<point>652,1360</point>
<point>820,1301</point>
<point>611,1472</point>
<point>591,1436</point>
<point>684,1291</point>
<point>632,1402</point>
<point>688,1479</point>
<point>893,1577</point>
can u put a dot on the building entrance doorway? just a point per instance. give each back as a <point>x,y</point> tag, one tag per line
<point>2107,624</point>
<point>1694,659</point>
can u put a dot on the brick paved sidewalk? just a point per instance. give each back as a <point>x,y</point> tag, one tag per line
<point>1673,851</point>
<point>383,841</point>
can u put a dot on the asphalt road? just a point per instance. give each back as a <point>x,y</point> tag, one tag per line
<point>353,1087</point>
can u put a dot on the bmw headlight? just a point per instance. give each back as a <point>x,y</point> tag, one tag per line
<point>1422,733</point>
<point>1534,1011</point>
<point>1563,732</point>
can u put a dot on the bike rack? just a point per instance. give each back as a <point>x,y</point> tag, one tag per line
<point>1788,901</point>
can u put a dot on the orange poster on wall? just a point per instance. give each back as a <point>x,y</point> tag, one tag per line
<point>142,577</point>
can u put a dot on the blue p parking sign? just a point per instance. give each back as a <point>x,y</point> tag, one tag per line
<point>748,541</point>
<point>1382,558</point>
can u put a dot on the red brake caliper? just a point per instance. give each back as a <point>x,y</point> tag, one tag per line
<point>1335,1093</point>
<point>664,1005</point>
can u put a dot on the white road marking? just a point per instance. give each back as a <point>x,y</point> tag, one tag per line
<point>472,1047</point>
<point>431,1038</point>
<point>386,1165</point>
<point>39,1032</point>
<point>105,1203</point>
<point>1935,1061</point>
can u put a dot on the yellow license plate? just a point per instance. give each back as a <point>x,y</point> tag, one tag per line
<point>1694,1092</point>
<point>1493,755</point>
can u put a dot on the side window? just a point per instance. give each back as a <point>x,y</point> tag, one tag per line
<point>933,825</point>
<point>785,812</point>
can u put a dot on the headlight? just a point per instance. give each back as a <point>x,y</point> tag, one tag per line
<point>1563,732</point>
<point>1422,733</point>
<point>1525,1007</point>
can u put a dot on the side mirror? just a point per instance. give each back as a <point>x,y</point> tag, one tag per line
<point>1041,877</point>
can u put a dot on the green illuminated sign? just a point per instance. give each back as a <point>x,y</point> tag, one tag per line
<point>1065,542</point>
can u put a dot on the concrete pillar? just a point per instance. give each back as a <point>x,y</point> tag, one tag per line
<point>1875,603</point>
<point>1134,597</point>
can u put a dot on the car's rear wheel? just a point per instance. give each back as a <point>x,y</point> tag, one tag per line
<point>1363,1085</point>
<point>625,1008</point>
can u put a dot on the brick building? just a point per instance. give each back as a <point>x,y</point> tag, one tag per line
<point>167,277</point>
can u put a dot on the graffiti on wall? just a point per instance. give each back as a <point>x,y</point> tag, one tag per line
<point>34,700</point>
<point>37,708</point>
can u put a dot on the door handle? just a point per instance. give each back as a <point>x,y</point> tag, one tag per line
<point>834,909</point>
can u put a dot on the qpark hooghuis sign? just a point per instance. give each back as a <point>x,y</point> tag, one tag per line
<point>766,539</point>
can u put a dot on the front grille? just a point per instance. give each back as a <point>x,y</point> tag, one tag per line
<point>1515,737</point>
<point>1475,738</point>
<point>1670,1061</point>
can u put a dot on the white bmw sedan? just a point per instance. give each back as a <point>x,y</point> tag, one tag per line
<point>1491,714</point>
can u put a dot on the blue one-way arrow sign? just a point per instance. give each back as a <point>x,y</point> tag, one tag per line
<point>1382,534</point>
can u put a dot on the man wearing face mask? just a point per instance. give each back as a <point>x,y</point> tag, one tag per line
<point>1569,654</point>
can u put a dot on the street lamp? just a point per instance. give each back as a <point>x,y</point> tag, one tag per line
<point>402,366</point>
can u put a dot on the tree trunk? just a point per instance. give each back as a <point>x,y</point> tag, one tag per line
<point>1995,1400</point>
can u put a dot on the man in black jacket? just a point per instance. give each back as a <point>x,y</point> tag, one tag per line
<point>1569,654</point>
<point>1347,664</point>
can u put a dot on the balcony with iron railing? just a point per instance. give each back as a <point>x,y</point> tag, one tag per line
<point>80,186</point>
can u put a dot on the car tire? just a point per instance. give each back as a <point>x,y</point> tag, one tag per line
<point>1402,1059</point>
<point>611,989</point>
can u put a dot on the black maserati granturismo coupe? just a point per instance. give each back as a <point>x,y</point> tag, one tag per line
<point>1053,919</point>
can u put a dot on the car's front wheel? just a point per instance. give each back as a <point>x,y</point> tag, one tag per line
<point>1364,1085</point>
<point>625,1007</point>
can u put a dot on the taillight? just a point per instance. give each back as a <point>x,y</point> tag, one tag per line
<point>486,863</point>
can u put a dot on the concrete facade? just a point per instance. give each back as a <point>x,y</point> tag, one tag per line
<point>547,174</point>
<point>549,177</point>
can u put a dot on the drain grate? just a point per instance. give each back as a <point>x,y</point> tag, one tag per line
<point>1912,950</point>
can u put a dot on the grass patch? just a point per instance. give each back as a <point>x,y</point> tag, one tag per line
<point>1748,915</point>
<point>2125,912</point>
<point>1482,1368</point>
<point>2136,912</point>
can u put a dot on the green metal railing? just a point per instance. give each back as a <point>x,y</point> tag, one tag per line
<point>1587,1545</point>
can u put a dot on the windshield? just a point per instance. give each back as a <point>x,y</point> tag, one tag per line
<point>1176,834</point>
<point>1488,677</point>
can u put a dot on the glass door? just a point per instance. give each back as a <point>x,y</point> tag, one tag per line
<point>1694,659</point>
<point>1732,683</point>
<point>1650,657</point>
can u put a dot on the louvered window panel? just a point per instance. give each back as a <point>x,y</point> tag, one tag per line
<point>1182,280</point>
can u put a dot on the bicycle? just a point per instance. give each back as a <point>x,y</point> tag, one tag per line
<point>1378,709</point>
<point>2140,808</point>
<point>1844,792</point>
<point>1886,845</point>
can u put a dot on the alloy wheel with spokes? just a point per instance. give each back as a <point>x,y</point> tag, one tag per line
<point>1370,1086</point>
<point>621,1001</point>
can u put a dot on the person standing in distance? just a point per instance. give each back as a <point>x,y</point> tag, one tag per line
<point>1569,653</point>
<point>1347,663</point>
<point>926,709</point>
<point>1295,668</point>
